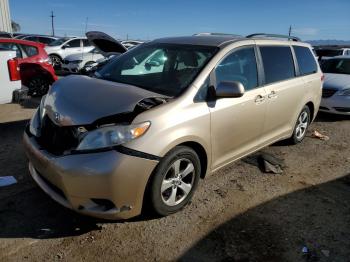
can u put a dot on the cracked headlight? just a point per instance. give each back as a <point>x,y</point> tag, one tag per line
<point>345,92</point>
<point>109,136</point>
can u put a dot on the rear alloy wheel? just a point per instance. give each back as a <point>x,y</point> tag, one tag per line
<point>38,86</point>
<point>56,61</point>
<point>301,126</point>
<point>175,180</point>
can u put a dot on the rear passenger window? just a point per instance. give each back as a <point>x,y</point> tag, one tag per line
<point>239,66</point>
<point>306,60</point>
<point>30,50</point>
<point>278,63</point>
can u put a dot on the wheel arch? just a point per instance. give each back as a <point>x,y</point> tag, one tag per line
<point>198,148</point>
<point>55,54</point>
<point>202,154</point>
<point>311,107</point>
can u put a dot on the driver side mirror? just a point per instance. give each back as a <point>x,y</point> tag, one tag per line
<point>65,46</point>
<point>229,89</point>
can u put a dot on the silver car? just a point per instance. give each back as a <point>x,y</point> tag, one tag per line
<point>336,88</point>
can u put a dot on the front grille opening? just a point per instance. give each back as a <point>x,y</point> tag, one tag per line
<point>104,204</point>
<point>328,92</point>
<point>324,108</point>
<point>52,186</point>
<point>56,139</point>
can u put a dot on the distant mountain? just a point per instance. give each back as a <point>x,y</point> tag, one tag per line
<point>328,42</point>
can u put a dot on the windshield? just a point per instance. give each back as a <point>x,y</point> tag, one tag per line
<point>162,68</point>
<point>95,51</point>
<point>328,52</point>
<point>336,66</point>
<point>59,41</point>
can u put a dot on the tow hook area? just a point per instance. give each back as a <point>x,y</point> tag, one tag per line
<point>100,206</point>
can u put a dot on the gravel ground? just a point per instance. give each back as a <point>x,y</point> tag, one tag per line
<point>237,213</point>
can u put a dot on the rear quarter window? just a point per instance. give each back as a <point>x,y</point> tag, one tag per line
<point>278,63</point>
<point>30,50</point>
<point>86,42</point>
<point>306,60</point>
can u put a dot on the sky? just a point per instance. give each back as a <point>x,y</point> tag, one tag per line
<point>146,20</point>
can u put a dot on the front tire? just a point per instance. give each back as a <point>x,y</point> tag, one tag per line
<point>303,122</point>
<point>56,61</point>
<point>175,180</point>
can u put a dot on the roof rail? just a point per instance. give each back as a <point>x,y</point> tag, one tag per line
<point>217,34</point>
<point>293,38</point>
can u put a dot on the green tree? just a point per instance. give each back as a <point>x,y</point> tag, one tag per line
<point>15,26</point>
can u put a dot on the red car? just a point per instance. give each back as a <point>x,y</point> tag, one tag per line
<point>35,70</point>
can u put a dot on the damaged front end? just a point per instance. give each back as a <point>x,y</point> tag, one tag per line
<point>60,132</point>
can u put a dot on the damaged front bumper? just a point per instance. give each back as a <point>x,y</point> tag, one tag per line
<point>336,104</point>
<point>107,185</point>
<point>72,68</point>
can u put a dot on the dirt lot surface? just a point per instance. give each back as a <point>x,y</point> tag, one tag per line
<point>237,214</point>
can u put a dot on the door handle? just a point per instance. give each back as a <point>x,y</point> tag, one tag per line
<point>259,99</point>
<point>272,94</point>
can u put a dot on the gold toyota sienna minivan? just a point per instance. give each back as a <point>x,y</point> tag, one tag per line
<point>154,120</point>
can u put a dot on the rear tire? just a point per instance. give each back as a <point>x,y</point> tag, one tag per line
<point>303,122</point>
<point>38,86</point>
<point>174,181</point>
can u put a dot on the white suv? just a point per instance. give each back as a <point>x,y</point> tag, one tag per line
<point>63,47</point>
<point>326,52</point>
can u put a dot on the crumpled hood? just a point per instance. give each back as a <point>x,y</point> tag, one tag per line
<point>81,100</point>
<point>336,81</point>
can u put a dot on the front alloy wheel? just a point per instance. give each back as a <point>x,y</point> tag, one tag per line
<point>175,180</point>
<point>178,182</point>
<point>55,61</point>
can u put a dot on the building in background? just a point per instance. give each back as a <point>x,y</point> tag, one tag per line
<point>5,18</point>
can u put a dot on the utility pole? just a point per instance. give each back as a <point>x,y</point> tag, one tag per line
<point>290,30</point>
<point>86,24</point>
<point>52,25</point>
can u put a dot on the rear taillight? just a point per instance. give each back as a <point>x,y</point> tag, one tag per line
<point>322,77</point>
<point>13,70</point>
